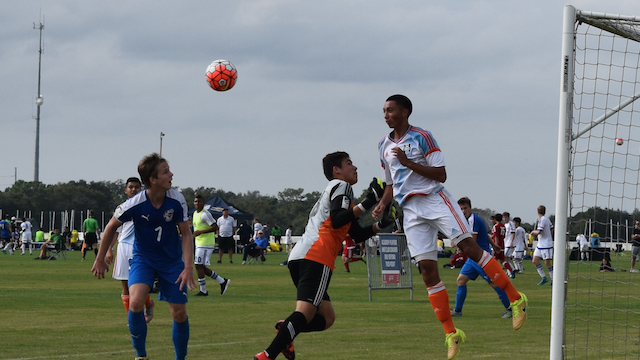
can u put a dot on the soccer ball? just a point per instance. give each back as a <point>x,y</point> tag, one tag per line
<point>221,75</point>
<point>619,141</point>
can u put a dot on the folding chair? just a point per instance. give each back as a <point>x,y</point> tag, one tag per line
<point>255,258</point>
<point>57,253</point>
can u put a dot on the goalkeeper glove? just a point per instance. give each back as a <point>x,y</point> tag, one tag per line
<point>388,217</point>
<point>374,194</point>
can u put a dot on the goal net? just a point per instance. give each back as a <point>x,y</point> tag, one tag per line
<point>596,314</point>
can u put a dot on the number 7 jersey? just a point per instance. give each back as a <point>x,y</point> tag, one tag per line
<point>156,231</point>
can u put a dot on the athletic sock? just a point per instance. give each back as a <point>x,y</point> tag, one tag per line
<point>147,302</point>
<point>461,295</point>
<point>138,330</point>
<point>203,285</point>
<point>507,266</point>
<point>439,300</point>
<point>289,329</point>
<point>180,336</point>
<point>495,273</point>
<point>318,323</point>
<point>503,297</point>
<point>346,266</point>
<point>125,301</point>
<point>540,270</point>
<point>551,273</point>
<point>217,277</point>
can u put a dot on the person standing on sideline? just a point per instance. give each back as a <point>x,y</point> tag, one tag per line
<point>471,270</point>
<point>519,244</point>
<point>66,235</point>
<point>226,229</point>
<point>277,234</point>
<point>91,230</point>
<point>204,227</point>
<point>498,232</point>
<point>288,234</point>
<point>414,171</point>
<point>544,248</point>
<point>312,260</point>
<point>159,250</point>
<point>256,227</point>
<point>583,245</point>
<point>635,248</point>
<point>126,237</point>
<point>25,237</point>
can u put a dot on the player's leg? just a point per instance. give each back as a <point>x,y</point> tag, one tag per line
<point>199,262</point>
<point>141,279</point>
<point>180,330</point>
<point>537,256</point>
<point>461,292</point>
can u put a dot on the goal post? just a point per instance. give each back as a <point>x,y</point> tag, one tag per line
<point>597,174</point>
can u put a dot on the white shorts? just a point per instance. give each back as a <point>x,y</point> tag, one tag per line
<point>424,216</point>
<point>124,253</point>
<point>509,252</point>
<point>584,247</point>
<point>518,254</point>
<point>544,254</point>
<point>203,255</point>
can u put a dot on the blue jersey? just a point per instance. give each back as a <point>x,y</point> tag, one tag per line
<point>156,232</point>
<point>480,229</point>
<point>5,232</point>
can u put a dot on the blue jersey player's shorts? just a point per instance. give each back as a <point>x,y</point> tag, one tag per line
<point>472,270</point>
<point>143,271</point>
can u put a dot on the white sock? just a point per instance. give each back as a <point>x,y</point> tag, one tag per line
<point>203,285</point>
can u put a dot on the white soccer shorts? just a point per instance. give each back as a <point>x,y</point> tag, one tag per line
<point>424,216</point>
<point>544,254</point>
<point>203,255</point>
<point>124,253</point>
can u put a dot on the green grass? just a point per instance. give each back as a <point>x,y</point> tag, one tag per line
<point>58,310</point>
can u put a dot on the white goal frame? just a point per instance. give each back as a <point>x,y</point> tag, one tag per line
<point>565,140</point>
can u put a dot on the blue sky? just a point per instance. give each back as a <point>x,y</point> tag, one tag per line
<point>483,76</point>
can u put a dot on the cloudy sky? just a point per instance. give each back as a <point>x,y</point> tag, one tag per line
<point>313,76</point>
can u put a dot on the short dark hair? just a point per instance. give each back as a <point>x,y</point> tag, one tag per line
<point>464,200</point>
<point>517,220</point>
<point>148,167</point>
<point>331,160</point>
<point>542,209</point>
<point>506,214</point>
<point>133,179</point>
<point>199,197</point>
<point>498,217</point>
<point>402,101</point>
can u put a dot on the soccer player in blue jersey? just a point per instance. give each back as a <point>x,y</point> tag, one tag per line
<point>158,251</point>
<point>471,270</point>
<point>414,170</point>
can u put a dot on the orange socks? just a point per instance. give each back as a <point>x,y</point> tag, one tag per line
<point>439,300</point>
<point>147,303</point>
<point>495,273</point>
<point>125,302</point>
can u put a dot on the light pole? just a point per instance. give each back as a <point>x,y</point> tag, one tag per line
<point>39,101</point>
<point>161,136</point>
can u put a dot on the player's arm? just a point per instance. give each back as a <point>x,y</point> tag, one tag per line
<point>384,201</point>
<point>342,215</point>
<point>435,173</point>
<point>360,234</point>
<point>100,266</point>
<point>186,276</point>
<point>213,225</point>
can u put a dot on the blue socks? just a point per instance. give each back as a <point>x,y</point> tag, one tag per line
<point>461,295</point>
<point>138,329</point>
<point>180,336</point>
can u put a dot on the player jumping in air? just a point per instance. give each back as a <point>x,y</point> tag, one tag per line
<point>414,171</point>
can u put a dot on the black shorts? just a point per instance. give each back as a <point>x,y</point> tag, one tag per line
<point>311,279</point>
<point>225,243</point>
<point>91,238</point>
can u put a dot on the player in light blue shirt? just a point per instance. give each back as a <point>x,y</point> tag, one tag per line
<point>159,251</point>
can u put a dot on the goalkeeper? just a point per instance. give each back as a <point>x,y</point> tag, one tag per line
<point>312,260</point>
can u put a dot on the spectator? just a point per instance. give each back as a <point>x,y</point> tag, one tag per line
<point>55,241</point>
<point>277,233</point>
<point>457,260</point>
<point>258,246</point>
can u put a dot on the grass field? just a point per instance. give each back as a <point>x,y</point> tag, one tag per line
<point>58,310</point>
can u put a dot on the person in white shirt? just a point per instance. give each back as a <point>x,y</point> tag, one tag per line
<point>510,231</point>
<point>583,243</point>
<point>25,228</point>
<point>519,244</point>
<point>226,229</point>
<point>256,227</point>
<point>289,236</point>
<point>544,248</point>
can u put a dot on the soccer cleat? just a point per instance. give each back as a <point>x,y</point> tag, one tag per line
<point>200,293</point>
<point>455,313</point>
<point>543,281</point>
<point>224,286</point>
<point>243,262</point>
<point>507,314</point>
<point>289,352</point>
<point>148,311</point>
<point>261,356</point>
<point>519,310</point>
<point>634,271</point>
<point>141,358</point>
<point>453,342</point>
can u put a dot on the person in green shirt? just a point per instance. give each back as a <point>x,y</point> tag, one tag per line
<point>55,241</point>
<point>39,235</point>
<point>277,234</point>
<point>90,226</point>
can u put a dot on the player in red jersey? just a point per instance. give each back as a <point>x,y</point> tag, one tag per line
<point>497,234</point>
<point>347,253</point>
